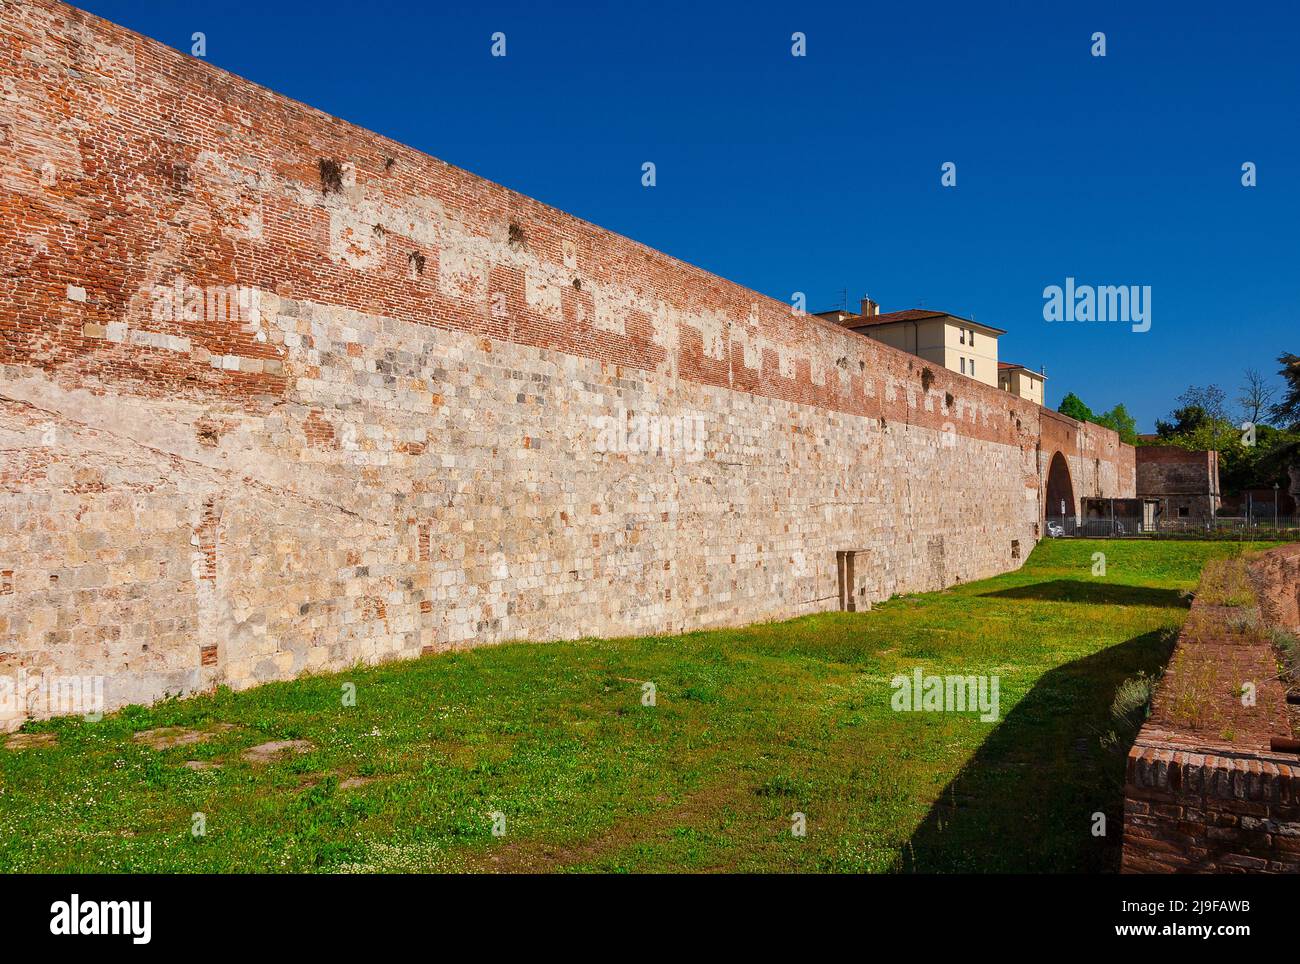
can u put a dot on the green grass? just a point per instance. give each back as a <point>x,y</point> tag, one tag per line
<point>750,726</point>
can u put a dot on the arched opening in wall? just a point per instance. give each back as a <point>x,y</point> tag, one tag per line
<point>1059,507</point>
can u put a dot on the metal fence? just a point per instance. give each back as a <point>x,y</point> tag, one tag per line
<point>1266,525</point>
<point>1225,527</point>
<point>1062,526</point>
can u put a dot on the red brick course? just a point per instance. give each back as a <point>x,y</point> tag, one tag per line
<point>175,158</point>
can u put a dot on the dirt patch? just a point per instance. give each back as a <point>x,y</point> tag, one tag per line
<point>274,750</point>
<point>31,741</point>
<point>201,765</point>
<point>458,753</point>
<point>523,855</point>
<point>166,737</point>
<point>343,783</point>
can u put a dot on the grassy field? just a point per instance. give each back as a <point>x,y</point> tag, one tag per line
<point>749,727</point>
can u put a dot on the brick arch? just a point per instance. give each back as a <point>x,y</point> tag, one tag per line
<point>1060,487</point>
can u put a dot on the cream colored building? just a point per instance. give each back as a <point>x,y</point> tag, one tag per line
<point>1019,380</point>
<point>959,344</point>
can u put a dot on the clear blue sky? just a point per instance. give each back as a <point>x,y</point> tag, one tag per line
<point>822,173</point>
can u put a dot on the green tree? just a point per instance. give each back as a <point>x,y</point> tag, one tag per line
<point>1072,405</point>
<point>1213,401</point>
<point>1119,420</point>
<point>1287,411</point>
<point>1247,459</point>
<point>1243,466</point>
<point>1186,420</point>
<point>1285,456</point>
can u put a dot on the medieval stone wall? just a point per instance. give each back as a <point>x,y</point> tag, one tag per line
<point>278,394</point>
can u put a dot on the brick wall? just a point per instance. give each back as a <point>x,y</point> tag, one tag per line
<point>1179,478</point>
<point>279,394</point>
<point>1101,466</point>
<point>1205,790</point>
<point>1187,811</point>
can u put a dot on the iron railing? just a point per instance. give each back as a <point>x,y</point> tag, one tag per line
<point>1251,528</point>
<point>1110,527</point>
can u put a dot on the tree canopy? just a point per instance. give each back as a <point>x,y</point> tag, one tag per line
<point>1252,453</point>
<point>1072,405</point>
<point>1257,439</point>
<point>1287,411</point>
<point>1117,419</point>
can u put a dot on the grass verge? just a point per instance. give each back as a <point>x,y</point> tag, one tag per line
<point>749,727</point>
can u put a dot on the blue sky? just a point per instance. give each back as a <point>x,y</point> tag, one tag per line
<point>822,173</point>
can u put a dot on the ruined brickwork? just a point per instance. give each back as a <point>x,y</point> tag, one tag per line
<point>1192,810</point>
<point>1184,482</point>
<point>1208,788</point>
<point>280,395</point>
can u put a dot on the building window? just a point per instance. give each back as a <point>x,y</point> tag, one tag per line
<point>963,366</point>
<point>961,332</point>
<point>972,337</point>
<point>972,368</point>
<point>1182,512</point>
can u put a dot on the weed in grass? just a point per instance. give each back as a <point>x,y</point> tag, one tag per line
<point>1288,645</point>
<point>1244,622</point>
<point>1131,707</point>
<point>1191,693</point>
<point>1225,582</point>
<point>1132,703</point>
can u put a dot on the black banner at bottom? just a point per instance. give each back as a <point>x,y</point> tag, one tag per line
<point>139,914</point>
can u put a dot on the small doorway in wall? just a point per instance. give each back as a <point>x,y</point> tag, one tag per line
<point>850,565</point>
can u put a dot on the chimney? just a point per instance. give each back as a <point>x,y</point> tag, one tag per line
<point>869,307</point>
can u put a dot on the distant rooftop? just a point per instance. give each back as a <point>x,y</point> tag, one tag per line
<point>872,318</point>
<point>1011,366</point>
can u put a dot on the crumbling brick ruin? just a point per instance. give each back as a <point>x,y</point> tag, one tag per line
<point>1212,782</point>
<point>1185,484</point>
<point>279,394</point>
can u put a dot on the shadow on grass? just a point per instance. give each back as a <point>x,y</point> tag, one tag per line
<point>1026,801</point>
<point>1095,593</point>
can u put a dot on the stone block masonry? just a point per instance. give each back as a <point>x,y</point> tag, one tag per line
<point>278,395</point>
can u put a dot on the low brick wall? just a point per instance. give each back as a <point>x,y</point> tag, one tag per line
<point>1193,811</point>
<point>1204,793</point>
